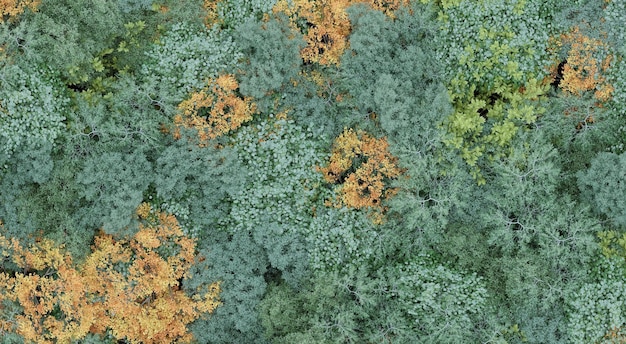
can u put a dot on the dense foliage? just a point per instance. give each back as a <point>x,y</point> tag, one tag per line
<point>312,171</point>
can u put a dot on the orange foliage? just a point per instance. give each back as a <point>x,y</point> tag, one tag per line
<point>129,288</point>
<point>615,335</point>
<point>210,6</point>
<point>13,8</point>
<point>361,164</point>
<point>215,110</point>
<point>583,70</point>
<point>328,25</point>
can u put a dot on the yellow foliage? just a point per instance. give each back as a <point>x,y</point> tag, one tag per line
<point>126,287</point>
<point>13,8</point>
<point>328,24</point>
<point>215,110</point>
<point>143,211</point>
<point>361,164</point>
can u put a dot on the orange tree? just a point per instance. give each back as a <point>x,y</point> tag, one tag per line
<point>361,164</point>
<point>215,110</point>
<point>326,24</point>
<point>12,8</point>
<point>587,60</point>
<point>127,288</point>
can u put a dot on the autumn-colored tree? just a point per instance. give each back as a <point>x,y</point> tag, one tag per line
<point>12,8</point>
<point>326,24</point>
<point>129,288</point>
<point>215,110</point>
<point>616,335</point>
<point>585,65</point>
<point>210,6</point>
<point>361,164</point>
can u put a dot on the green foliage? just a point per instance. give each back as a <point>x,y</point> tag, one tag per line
<point>615,13</point>
<point>485,43</point>
<point>275,205</point>
<point>272,57</point>
<point>390,70</point>
<point>359,305</point>
<point>603,186</point>
<point>51,207</point>
<point>113,184</point>
<point>32,108</point>
<point>494,55</point>
<point>598,307</point>
<point>67,35</point>
<point>443,304</point>
<point>340,238</point>
<point>231,14</point>
<point>11,338</point>
<point>617,78</point>
<point>194,183</point>
<point>134,5</point>
<point>331,308</point>
<point>241,265</point>
<point>535,251</point>
<point>186,56</point>
<point>28,165</point>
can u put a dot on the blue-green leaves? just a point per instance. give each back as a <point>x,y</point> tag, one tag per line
<point>603,186</point>
<point>185,58</point>
<point>442,303</point>
<point>32,108</point>
<point>113,185</point>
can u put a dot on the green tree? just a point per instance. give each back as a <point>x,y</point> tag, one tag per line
<point>494,70</point>
<point>602,186</point>
<point>113,185</point>
<point>271,51</point>
<point>33,107</point>
<point>242,266</point>
<point>197,181</point>
<point>597,307</point>
<point>185,57</point>
<point>67,35</point>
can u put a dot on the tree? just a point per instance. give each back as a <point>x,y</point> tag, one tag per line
<point>583,71</point>
<point>32,107</point>
<point>182,61</point>
<point>602,185</point>
<point>272,61</point>
<point>361,164</point>
<point>13,8</point>
<point>596,310</point>
<point>130,288</point>
<point>113,185</point>
<point>232,14</point>
<point>215,110</point>
<point>326,25</point>
<point>494,72</point>
<point>417,301</point>
<point>67,35</point>
<point>196,183</point>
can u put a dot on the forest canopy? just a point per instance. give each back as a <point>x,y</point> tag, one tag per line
<point>312,171</point>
